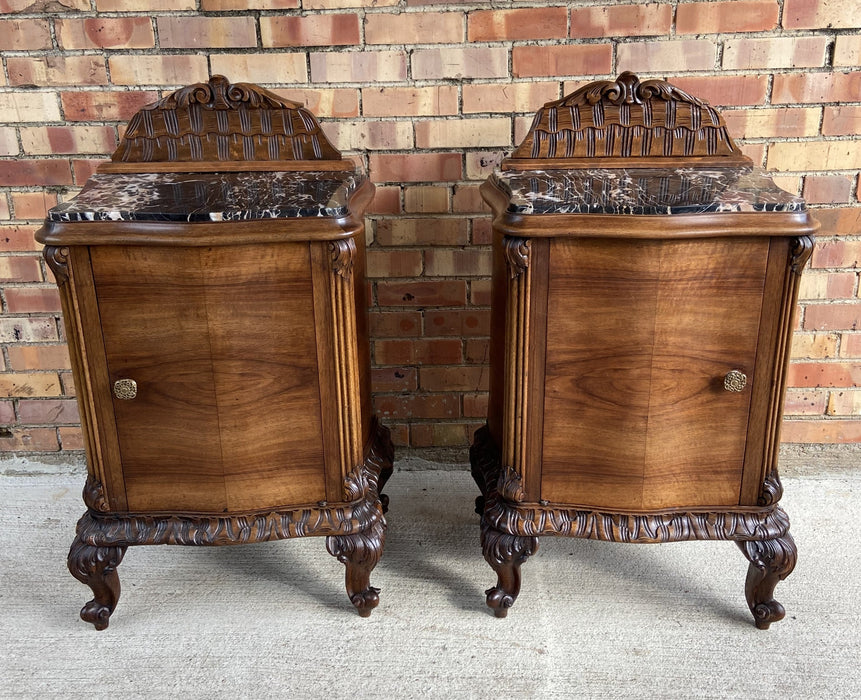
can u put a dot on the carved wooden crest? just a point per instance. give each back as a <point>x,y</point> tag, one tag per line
<point>220,121</point>
<point>629,119</point>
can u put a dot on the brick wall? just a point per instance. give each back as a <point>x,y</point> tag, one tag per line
<point>429,94</point>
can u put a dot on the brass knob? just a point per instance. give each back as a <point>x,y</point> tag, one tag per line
<point>125,389</point>
<point>735,380</point>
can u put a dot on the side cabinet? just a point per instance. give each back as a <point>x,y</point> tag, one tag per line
<point>643,294</point>
<point>216,317</point>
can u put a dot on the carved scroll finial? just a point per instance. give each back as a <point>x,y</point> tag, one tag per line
<point>57,258</point>
<point>516,252</point>
<point>219,93</point>
<point>799,253</point>
<point>343,256</point>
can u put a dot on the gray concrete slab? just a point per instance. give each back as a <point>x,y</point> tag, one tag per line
<point>593,620</point>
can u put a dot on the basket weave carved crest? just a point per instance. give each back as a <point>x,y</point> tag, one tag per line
<point>627,118</point>
<point>223,121</point>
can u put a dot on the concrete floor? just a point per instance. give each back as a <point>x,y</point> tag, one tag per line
<point>272,620</point>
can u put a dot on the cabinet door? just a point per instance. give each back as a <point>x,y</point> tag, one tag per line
<point>220,342</point>
<point>640,337</point>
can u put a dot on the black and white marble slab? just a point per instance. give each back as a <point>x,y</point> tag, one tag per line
<point>644,191</point>
<point>226,196</point>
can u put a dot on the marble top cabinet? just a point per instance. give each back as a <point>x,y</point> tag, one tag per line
<point>644,286</point>
<point>213,291</point>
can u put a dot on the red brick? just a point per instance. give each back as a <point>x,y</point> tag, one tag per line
<point>56,70</point>
<point>261,68</point>
<point>444,262</point>
<point>8,141</point>
<point>437,351</point>
<point>426,199</point>
<point>360,135</point>
<point>850,345</point>
<point>4,208</point>
<point>513,25</point>
<point>32,205</point>
<point>337,103</point>
<point>394,263</point>
<point>457,63</point>
<point>482,231</point>
<point>654,19</point>
<point>454,378</point>
<point>422,232</point>
<point>837,254</point>
<point>508,97</point>
<point>805,402</point>
<point>678,55</point>
<point>414,28</point>
<point>829,317</point>
<point>38,357</point>
<point>7,412</point>
<point>477,351</point>
<point>27,300</point>
<point>358,66</point>
<point>463,133</point>
<point>438,435</point>
<point>30,440</point>
<point>821,14</point>
<point>105,32</point>
<point>83,169</point>
<point>827,285</point>
<point>24,34</point>
<point>435,100</point>
<point>814,155</point>
<point>415,167</point>
<point>400,433</point>
<point>467,323</point>
<point>814,346</point>
<point>28,330</point>
<point>845,220</point>
<point>394,380</point>
<point>113,105</point>
<point>475,405</point>
<point>71,438</point>
<point>226,5</point>
<point>45,140</point>
<point>158,70</point>
<point>206,32</point>
<point>843,120</point>
<point>422,293</point>
<point>19,238</point>
<point>68,382</point>
<point>816,87</point>
<point>582,59</point>
<point>30,384</point>
<point>844,403</point>
<point>775,52</point>
<point>34,411</point>
<point>847,50</point>
<point>819,374</point>
<point>20,268</point>
<point>479,292</point>
<point>726,90</point>
<point>467,200</point>
<point>395,324</point>
<point>310,30</point>
<point>725,17</point>
<point>821,431</point>
<point>418,406</point>
<point>827,189</point>
<point>387,200</point>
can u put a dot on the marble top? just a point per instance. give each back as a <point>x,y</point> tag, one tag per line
<point>644,191</point>
<point>226,196</point>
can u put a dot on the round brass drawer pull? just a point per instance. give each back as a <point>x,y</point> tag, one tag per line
<point>735,380</point>
<point>125,389</point>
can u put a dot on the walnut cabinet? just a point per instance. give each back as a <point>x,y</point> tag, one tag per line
<point>213,291</point>
<point>644,283</point>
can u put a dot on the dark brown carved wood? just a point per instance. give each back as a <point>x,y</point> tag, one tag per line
<point>644,286</point>
<point>219,121</point>
<point>221,354</point>
<point>625,119</point>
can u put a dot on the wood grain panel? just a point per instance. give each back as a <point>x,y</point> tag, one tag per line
<point>259,309</point>
<point>152,305</point>
<point>706,324</point>
<point>600,331</point>
<point>640,335</point>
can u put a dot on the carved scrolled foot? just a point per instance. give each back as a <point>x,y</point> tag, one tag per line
<point>771,561</point>
<point>505,553</point>
<point>360,553</point>
<point>97,567</point>
<point>383,454</point>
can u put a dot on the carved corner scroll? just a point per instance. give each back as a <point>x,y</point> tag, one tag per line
<point>800,252</point>
<point>57,258</point>
<point>220,121</point>
<point>627,118</point>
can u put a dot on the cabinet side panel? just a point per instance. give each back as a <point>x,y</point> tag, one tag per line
<point>707,323</point>
<point>600,335</point>
<point>153,312</point>
<point>259,306</point>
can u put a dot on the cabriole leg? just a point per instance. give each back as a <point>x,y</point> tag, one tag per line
<point>360,553</point>
<point>97,567</point>
<point>771,561</point>
<point>505,553</point>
